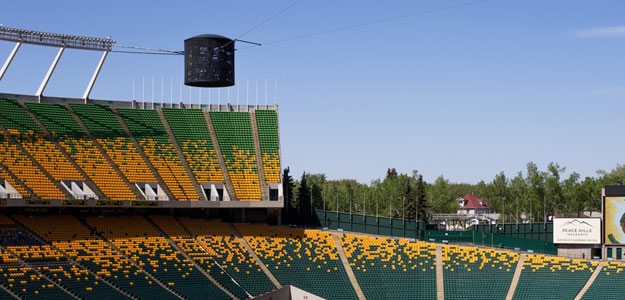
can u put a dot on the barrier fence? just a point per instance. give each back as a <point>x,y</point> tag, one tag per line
<point>525,237</point>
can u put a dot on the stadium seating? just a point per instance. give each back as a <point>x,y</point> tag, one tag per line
<point>223,246</point>
<point>140,241</point>
<point>78,242</point>
<point>147,128</point>
<point>392,269</point>
<point>104,126</point>
<point>11,114</point>
<point>197,252</point>
<point>66,130</point>
<point>25,282</point>
<point>20,124</point>
<point>545,277</point>
<point>267,122</point>
<point>474,273</point>
<point>236,141</point>
<point>609,283</point>
<point>303,258</point>
<point>52,263</point>
<point>56,267</point>
<point>189,128</point>
<point>20,189</point>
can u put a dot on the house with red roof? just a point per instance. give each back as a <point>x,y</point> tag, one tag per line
<point>470,204</point>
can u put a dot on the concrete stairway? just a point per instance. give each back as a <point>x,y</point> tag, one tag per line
<point>348,268</point>
<point>220,157</point>
<point>131,186</point>
<point>253,254</point>
<point>590,281</point>
<point>515,278</point>
<point>440,283</point>
<point>264,187</point>
<point>147,161</point>
<point>184,161</point>
<point>88,180</point>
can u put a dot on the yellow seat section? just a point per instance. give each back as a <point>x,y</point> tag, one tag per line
<point>23,168</point>
<point>149,131</point>
<point>300,257</point>
<point>83,245</point>
<point>105,127</point>
<point>66,130</point>
<point>24,129</point>
<point>236,141</point>
<point>191,132</point>
<point>390,268</point>
<point>219,241</point>
<point>20,189</point>
<point>140,241</point>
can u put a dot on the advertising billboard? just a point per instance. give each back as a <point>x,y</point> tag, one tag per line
<point>614,220</point>
<point>577,231</point>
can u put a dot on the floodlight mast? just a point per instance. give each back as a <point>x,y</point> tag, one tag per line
<point>61,41</point>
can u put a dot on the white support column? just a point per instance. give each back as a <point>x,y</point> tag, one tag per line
<point>42,87</point>
<point>85,96</point>
<point>9,59</point>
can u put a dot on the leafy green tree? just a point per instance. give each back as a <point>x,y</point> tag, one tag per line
<point>499,195</point>
<point>518,196</point>
<point>316,182</point>
<point>440,197</point>
<point>536,188</point>
<point>554,196</point>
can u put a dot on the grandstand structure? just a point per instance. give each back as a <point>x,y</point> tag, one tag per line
<point>163,256</point>
<point>63,152</point>
<point>125,200</point>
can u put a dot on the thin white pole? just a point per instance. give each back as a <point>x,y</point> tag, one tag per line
<point>190,95</point>
<point>247,93</point>
<point>265,92</point>
<point>143,92</point>
<point>9,59</point>
<point>219,97</point>
<point>209,99</point>
<point>275,92</point>
<point>237,94</point>
<point>94,77</point>
<point>228,99</point>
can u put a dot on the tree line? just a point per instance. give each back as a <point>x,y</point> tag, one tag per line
<point>529,195</point>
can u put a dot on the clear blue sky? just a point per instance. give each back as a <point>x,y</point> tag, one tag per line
<point>464,92</point>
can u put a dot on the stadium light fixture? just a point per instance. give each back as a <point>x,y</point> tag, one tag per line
<point>55,39</point>
<point>61,41</point>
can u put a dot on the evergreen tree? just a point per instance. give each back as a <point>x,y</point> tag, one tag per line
<point>288,186</point>
<point>304,199</point>
<point>423,207</point>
